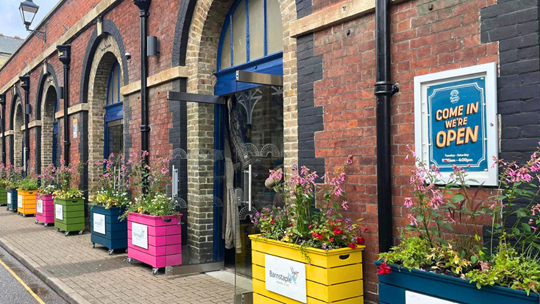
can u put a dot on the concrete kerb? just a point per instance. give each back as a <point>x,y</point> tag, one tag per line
<point>60,288</point>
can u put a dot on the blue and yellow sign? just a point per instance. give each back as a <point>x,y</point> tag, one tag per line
<point>457,124</point>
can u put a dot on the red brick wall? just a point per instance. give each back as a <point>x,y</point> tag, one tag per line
<point>423,41</point>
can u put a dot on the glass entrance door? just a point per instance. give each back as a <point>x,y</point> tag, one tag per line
<point>255,138</point>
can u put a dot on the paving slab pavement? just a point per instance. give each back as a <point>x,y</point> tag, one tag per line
<point>84,275</point>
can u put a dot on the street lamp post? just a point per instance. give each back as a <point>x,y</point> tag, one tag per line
<point>64,55</point>
<point>2,122</point>
<point>28,11</point>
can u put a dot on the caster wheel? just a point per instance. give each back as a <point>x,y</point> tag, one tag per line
<point>129,260</point>
<point>36,222</point>
<point>45,224</point>
<point>93,245</point>
<point>23,215</point>
<point>126,251</point>
<point>80,232</point>
<point>111,251</point>
<point>57,229</point>
<point>66,233</point>
<point>155,271</point>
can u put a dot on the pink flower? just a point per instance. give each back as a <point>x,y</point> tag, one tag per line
<point>345,205</point>
<point>413,220</point>
<point>408,202</point>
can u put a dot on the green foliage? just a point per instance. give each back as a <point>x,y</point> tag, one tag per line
<point>508,268</point>
<point>28,183</point>
<point>70,193</point>
<point>411,253</point>
<point>113,182</point>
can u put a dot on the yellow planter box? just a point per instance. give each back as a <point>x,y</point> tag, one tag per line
<point>26,202</point>
<point>332,277</point>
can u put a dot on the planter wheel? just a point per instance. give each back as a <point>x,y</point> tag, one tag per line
<point>129,260</point>
<point>111,251</point>
<point>7,208</point>
<point>66,233</point>
<point>93,245</point>
<point>45,224</point>
<point>80,232</point>
<point>155,271</point>
<point>37,222</point>
<point>126,250</point>
<point>57,229</point>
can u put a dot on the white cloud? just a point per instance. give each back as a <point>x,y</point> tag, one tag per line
<point>10,18</point>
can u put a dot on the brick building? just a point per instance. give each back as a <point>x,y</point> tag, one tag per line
<point>321,109</point>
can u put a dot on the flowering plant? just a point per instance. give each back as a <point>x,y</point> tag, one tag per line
<point>443,219</point>
<point>114,183</point>
<point>15,176</point>
<point>28,184</point>
<point>299,223</point>
<point>4,175</point>
<point>154,201</point>
<point>67,179</point>
<point>48,180</point>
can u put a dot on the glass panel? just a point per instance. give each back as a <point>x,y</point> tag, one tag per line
<point>255,133</point>
<point>274,27</point>
<point>239,34</point>
<point>256,29</point>
<point>226,49</point>
<point>116,82</point>
<point>116,137</point>
<point>110,92</point>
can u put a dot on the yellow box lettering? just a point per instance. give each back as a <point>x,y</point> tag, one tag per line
<point>441,139</point>
<point>471,135</point>
<point>460,136</point>
<point>450,137</point>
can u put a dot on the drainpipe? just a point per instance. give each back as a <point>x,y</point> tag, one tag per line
<point>143,6</point>
<point>3,103</point>
<point>64,55</point>
<point>384,89</point>
<point>25,84</point>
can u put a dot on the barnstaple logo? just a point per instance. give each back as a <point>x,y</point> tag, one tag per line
<point>454,96</point>
<point>139,235</point>
<point>289,278</point>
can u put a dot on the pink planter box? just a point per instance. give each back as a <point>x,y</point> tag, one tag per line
<point>154,240</point>
<point>45,209</point>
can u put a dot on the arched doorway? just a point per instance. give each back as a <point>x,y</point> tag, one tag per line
<point>114,114</point>
<point>50,153</point>
<point>18,134</point>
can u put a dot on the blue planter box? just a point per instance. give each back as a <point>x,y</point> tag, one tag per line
<point>12,204</point>
<point>107,230</point>
<point>393,288</point>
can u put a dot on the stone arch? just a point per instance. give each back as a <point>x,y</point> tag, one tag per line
<point>18,133</point>
<point>47,113</point>
<point>105,57</point>
<point>16,98</point>
<point>201,59</point>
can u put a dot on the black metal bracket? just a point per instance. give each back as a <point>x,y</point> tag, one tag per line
<point>201,98</point>
<point>40,34</point>
<point>386,88</point>
<point>145,128</point>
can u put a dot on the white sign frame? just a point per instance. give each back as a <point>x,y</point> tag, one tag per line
<point>39,206</point>
<point>279,277</point>
<point>9,198</point>
<point>421,84</point>
<point>418,298</point>
<point>139,235</point>
<point>100,220</point>
<point>19,201</point>
<point>59,212</point>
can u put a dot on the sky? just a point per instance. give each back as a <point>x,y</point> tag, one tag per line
<point>11,23</point>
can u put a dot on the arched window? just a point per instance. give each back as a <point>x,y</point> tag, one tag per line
<point>114,114</point>
<point>252,30</point>
<point>55,136</point>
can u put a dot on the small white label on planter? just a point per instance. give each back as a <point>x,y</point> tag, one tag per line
<point>99,223</point>
<point>139,235</point>
<point>39,206</point>
<point>418,298</point>
<point>286,277</point>
<point>9,197</point>
<point>19,201</point>
<point>59,212</point>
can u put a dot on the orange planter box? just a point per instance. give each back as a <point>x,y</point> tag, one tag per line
<point>26,202</point>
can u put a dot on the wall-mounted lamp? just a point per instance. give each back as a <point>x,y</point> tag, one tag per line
<point>28,12</point>
<point>153,48</point>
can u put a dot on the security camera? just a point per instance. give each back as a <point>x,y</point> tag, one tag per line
<point>128,56</point>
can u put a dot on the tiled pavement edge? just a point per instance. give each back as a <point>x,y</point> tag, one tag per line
<point>84,275</point>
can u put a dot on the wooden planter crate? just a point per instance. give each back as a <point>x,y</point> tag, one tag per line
<point>12,200</point>
<point>26,202</point>
<point>3,197</point>
<point>69,215</point>
<point>107,230</point>
<point>44,209</point>
<point>402,286</point>
<point>155,240</point>
<point>331,277</point>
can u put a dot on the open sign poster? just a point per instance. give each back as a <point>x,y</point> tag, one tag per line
<point>456,122</point>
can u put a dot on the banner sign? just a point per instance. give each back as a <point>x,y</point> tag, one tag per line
<point>139,235</point>
<point>456,122</point>
<point>286,277</point>
<point>99,223</point>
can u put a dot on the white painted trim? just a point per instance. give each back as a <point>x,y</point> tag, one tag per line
<point>489,71</point>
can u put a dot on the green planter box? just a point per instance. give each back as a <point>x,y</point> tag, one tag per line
<point>69,215</point>
<point>3,197</point>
